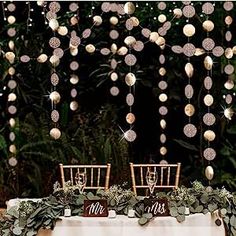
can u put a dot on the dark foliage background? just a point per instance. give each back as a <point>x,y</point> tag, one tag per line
<point>92,133</point>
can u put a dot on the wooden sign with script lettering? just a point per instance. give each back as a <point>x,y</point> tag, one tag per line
<point>156,206</point>
<point>95,208</point>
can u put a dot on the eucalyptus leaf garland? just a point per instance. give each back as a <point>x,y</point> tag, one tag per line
<point>27,218</point>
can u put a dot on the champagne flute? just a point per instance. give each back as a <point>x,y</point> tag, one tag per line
<point>151,178</point>
<point>80,180</point>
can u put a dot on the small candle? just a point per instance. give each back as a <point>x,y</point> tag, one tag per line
<point>187,212</point>
<point>111,214</point>
<point>131,213</point>
<point>67,212</point>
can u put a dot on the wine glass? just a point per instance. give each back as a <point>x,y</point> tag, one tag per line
<point>151,178</point>
<point>80,180</point>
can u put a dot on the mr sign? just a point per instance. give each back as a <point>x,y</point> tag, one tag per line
<point>95,208</point>
<point>156,206</point>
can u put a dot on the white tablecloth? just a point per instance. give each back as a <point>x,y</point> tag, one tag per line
<point>194,225</point>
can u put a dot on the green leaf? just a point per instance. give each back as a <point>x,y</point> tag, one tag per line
<point>180,218</point>
<point>142,221</point>
<point>205,211</point>
<point>112,202</point>
<point>132,201</point>
<point>223,212</point>
<point>90,196</point>
<point>233,231</point>
<point>233,221</point>
<point>6,232</point>
<point>76,211</point>
<point>31,233</point>
<point>80,200</point>
<point>192,209</point>
<point>35,212</point>
<point>47,222</point>
<point>212,207</point>
<point>226,220</point>
<point>173,211</point>
<point>148,215</point>
<point>199,209</point>
<point>204,198</point>
<point>13,211</point>
<point>17,230</point>
<point>181,210</point>
<point>100,192</point>
<point>126,209</point>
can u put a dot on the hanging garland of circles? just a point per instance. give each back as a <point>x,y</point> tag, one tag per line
<point>229,68</point>
<point>74,43</point>
<point>124,13</point>
<point>162,84</point>
<point>10,56</point>
<point>209,135</point>
<point>130,78</point>
<point>117,11</point>
<point>131,43</point>
<point>57,54</point>
<point>189,50</point>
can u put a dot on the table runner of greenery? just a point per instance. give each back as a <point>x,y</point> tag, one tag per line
<point>27,218</point>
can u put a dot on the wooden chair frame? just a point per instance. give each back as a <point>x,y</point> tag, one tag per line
<point>91,185</point>
<point>161,168</point>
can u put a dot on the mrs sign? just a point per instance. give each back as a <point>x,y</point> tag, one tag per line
<point>156,206</point>
<point>95,208</point>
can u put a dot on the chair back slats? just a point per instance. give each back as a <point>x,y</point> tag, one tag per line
<point>161,181</point>
<point>71,176</point>
<point>107,178</point>
<point>177,175</point>
<point>141,174</point>
<point>98,176</point>
<point>168,175</point>
<point>91,177</point>
<point>62,175</point>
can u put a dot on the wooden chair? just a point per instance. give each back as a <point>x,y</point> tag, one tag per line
<point>168,175</point>
<point>98,176</point>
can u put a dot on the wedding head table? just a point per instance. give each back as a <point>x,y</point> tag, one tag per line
<point>194,225</point>
<point>185,211</point>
